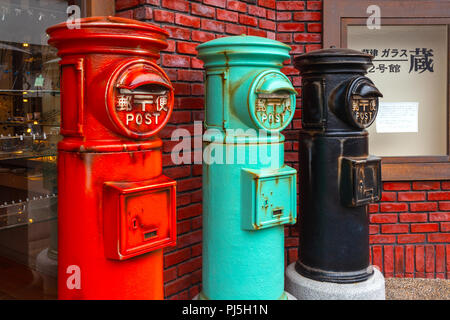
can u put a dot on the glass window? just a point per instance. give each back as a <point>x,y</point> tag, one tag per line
<point>29,132</point>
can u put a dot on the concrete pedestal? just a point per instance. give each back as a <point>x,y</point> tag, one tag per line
<point>307,289</point>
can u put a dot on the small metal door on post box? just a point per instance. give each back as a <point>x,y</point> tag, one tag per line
<point>337,177</point>
<point>248,101</point>
<point>116,209</point>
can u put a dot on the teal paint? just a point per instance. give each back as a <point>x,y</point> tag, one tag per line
<point>248,199</point>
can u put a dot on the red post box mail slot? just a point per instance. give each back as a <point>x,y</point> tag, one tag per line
<point>139,217</point>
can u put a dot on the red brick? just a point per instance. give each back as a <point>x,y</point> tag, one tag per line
<point>413,217</point>
<point>257,11</point>
<point>170,274</point>
<point>201,10</point>
<point>445,185</point>
<point>175,61</point>
<point>177,5</point>
<point>212,25</point>
<point>411,196</point>
<point>444,206</point>
<point>265,24</point>
<point>373,207</point>
<point>235,29</point>
<point>267,3</point>
<point>290,5</point>
<point>307,16</point>
<point>128,14</point>
<point>394,228</point>
<point>284,16</point>
<point>271,14</point>
<point>388,259</point>
<point>176,286</point>
<point>420,259</point>
<point>189,266</point>
<point>388,196</point>
<point>237,6</point>
<point>143,13</point>
<point>248,20</point>
<point>396,186</point>
<point>314,5</point>
<point>314,27</point>
<point>126,4</point>
<point>163,16</point>
<point>439,237</point>
<point>186,20</point>
<point>423,206</point>
<point>409,265</point>
<point>411,238</point>
<point>189,239</point>
<point>374,229</point>
<point>186,48</point>
<point>393,207</point>
<point>447,255</point>
<point>181,89</point>
<point>381,238</point>
<point>425,227</point>
<point>216,3</point>
<point>284,37</point>
<point>196,63</point>
<point>227,15</point>
<point>291,27</point>
<point>377,257</point>
<point>399,266</point>
<point>178,33</point>
<point>441,195</point>
<point>183,200</point>
<point>426,185</point>
<point>440,216</point>
<point>176,257</point>
<point>190,75</point>
<point>256,32</point>
<point>198,89</point>
<point>183,227</point>
<point>429,258</point>
<point>178,171</point>
<point>308,37</point>
<point>312,47</point>
<point>189,211</point>
<point>440,258</point>
<point>202,36</point>
<point>445,226</point>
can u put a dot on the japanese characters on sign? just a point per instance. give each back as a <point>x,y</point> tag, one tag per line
<point>140,110</point>
<point>273,110</point>
<point>364,110</point>
<point>396,60</point>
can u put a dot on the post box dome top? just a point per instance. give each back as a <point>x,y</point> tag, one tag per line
<point>243,51</point>
<point>108,35</point>
<point>333,60</point>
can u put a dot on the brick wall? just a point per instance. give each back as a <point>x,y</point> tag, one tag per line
<point>409,229</point>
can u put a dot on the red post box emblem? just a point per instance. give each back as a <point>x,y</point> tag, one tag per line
<point>116,209</point>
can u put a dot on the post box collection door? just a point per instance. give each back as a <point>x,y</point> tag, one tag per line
<point>116,209</point>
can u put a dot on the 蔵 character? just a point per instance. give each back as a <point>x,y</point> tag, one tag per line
<point>421,61</point>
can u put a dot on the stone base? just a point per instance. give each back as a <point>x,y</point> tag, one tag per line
<point>48,268</point>
<point>288,295</point>
<point>307,289</point>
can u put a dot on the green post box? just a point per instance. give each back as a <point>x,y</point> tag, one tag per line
<point>248,192</point>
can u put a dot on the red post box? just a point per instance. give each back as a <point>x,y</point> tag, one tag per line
<point>116,210</point>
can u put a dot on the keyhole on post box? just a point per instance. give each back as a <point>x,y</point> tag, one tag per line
<point>134,223</point>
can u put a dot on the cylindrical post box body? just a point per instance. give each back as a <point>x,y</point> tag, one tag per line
<point>337,177</point>
<point>116,210</point>
<point>248,192</point>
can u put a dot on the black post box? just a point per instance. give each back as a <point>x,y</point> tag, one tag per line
<point>337,177</point>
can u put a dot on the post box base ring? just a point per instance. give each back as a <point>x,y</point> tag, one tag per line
<point>335,277</point>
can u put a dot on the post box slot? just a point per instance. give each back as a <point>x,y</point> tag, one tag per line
<point>277,212</point>
<point>150,234</point>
